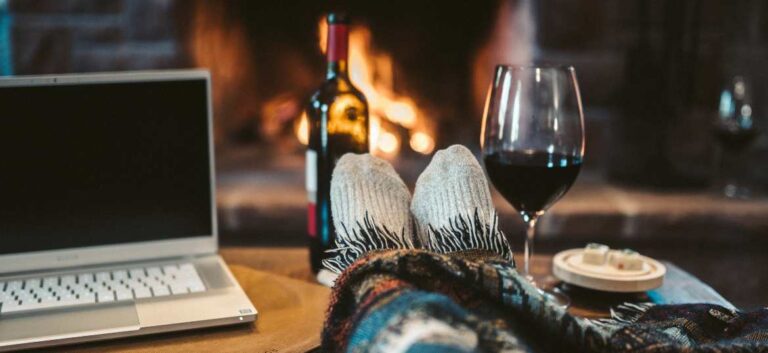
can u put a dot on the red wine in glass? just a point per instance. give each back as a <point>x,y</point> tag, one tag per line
<point>531,180</point>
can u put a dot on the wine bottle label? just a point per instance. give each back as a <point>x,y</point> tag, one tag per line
<point>311,220</point>
<point>311,182</point>
<point>311,177</point>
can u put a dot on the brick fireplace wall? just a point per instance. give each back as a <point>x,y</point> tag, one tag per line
<point>53,36</point>
<point>657,110</point>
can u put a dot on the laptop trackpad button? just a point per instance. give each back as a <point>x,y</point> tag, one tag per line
<point>49,325</point>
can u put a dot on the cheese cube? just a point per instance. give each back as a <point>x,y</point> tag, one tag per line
<point>625,260</point>
<point>595,254</point>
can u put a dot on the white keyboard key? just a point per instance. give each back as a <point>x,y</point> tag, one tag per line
<point>10,307</point>
<point>68,300</point>
<point>49,298</point>
<point>50,281</point>
<point>11,304</point>
<point>187,267</point>
<point>79,288</point>
<point>137,273</point>
<point>85,278</point>
<point>113,284</point>
<point>14,285</point>
<point>152,284</point>
<point>134,283</point>
<point>105,297</point>
<point>103,276</point>
<point>123,294</point>
<point>170,269</point>
<point>160,291</point>
<point>120,274</point>
<point>142,292</point>
<point>197,287</point>
<point>178,289</point>
<point>68,280</point>
<point>195,281</point>
<point>154,272</point>
<point>80,301</point>
<point>31,283</point>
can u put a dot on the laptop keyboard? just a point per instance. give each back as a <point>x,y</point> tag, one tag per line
<point>31,294</point>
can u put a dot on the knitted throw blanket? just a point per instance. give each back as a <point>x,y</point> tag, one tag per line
<point>470,301</point>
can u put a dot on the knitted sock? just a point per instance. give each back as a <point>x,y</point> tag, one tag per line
<point>452,206</point>
<point>369,204</point>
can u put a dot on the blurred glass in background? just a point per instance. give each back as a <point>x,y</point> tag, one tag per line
<point>734,129</point>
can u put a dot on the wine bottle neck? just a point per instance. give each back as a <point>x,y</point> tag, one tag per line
<point>338,41</point>
<point>337,69</point>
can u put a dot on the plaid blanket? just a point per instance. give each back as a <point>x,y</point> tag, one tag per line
<point>474,301</point>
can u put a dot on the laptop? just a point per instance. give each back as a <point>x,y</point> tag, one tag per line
<point>108,209</point>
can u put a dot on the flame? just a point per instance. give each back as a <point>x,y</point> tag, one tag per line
<point>372,73</point>
<point>388,143</point>
<point>322,35</point>
<point>422,142</point>
<point>302,129</point>
<point>374,131</point>
<point>402,112</point>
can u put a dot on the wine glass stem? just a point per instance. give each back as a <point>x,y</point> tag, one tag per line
<point>529,233</point>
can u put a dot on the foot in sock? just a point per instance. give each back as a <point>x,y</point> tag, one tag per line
<point>369,203</point>
<point>452,206</point>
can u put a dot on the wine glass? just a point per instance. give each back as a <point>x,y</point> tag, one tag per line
<point>533,139</point>
<point>735,130</point>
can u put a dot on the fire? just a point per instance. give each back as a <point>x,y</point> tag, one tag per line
<point>302,129</point>
<point>374,131</point>
<point>388,143</point>
<point>372,73</point>
<point>422,142</point>
<point>402,112</point>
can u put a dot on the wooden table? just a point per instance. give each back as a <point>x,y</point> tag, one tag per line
<point>293,263</point>
<point>679,286</point>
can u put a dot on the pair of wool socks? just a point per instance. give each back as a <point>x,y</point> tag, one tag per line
<point>450,211</point>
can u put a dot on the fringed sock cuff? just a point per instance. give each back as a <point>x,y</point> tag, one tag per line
<point>366,237</point>
<point>469,232</point>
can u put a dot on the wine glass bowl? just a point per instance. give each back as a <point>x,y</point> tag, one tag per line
<point>734,126</point>
<point>533,138</point>
<point>735,130</point>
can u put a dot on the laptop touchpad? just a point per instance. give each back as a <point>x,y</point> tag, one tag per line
<point>98,320</point>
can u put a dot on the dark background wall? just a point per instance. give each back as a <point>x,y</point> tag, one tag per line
<point>650,70</point>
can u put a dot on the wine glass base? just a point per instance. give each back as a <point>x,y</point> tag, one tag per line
<point>735,191</point>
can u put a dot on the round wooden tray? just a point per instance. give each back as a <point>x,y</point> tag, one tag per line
<point>568,267</point>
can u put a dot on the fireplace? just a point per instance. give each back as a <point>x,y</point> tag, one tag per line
<point>650,71</point>
<point>266,66</point>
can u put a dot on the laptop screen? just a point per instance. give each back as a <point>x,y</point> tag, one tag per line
<point>103,163</point>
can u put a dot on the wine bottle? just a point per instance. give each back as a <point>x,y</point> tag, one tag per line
<point>338,124</point>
